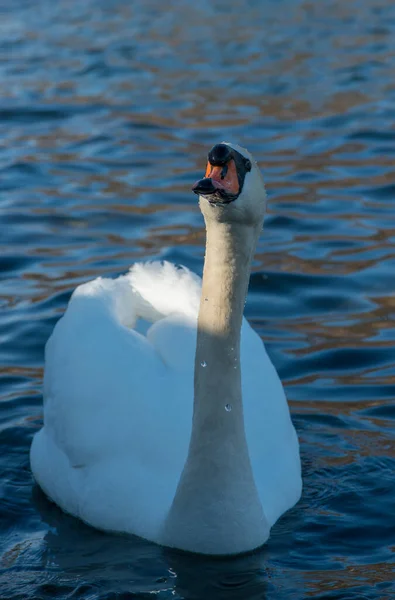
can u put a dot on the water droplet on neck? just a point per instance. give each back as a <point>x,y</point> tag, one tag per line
<point>228,407</point>
<point>203,364</point>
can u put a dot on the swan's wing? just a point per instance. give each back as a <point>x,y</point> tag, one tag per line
<point>272,441</point>
<point>107,388</point>
<point>118,404</point>
<point>163,289</point>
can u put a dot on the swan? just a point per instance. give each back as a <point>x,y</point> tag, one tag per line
<point>163,414</point>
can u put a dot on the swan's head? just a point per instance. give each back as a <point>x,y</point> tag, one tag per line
<point>232,189</point>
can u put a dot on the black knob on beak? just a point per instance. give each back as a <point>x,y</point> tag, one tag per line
<point>204,187</point>
<point>219,155</point>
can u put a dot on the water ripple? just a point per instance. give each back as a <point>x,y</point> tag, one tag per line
<point>107,111</point>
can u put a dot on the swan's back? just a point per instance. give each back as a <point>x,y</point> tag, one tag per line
<point>118,400</point>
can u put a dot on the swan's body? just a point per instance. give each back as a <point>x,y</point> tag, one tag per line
<point>116,448</point>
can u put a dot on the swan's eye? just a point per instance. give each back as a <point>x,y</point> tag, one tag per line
<point>247,165</point>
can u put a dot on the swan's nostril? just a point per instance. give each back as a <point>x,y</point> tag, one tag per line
<point>219,155</point>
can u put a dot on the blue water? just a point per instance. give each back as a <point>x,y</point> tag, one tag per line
<point>107,111</point>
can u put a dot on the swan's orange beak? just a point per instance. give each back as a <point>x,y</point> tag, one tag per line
<point>224,177</point>
<point>220,183</point>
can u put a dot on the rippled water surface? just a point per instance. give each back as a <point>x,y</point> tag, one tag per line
<point>107,111</point>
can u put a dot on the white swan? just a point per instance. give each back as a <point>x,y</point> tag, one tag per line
<point>163,415</point>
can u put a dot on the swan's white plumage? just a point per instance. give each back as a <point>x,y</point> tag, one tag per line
<point>118,404</point>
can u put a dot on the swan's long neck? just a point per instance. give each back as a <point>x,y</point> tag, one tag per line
<point>217,383</point>
<point>216,508</point>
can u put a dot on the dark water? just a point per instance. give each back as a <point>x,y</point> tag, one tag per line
<point>107,110</point>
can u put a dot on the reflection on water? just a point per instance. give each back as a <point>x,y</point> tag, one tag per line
<point>106,113</point>
<point>80,551</point>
